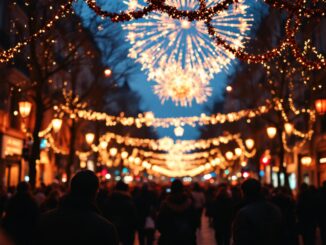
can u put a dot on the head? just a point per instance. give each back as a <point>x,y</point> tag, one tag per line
<point>84,185</point>
<point>222,190</point>
<point>324,184</point>
<point>121,186</point>
<point>196,187</point>
<point>251,188</point>
<point>177,186</point>
<point>23,187</point>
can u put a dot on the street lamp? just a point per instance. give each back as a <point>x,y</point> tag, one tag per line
<point>90,138</point>
<point>320,106</point>
<point>306,161</point>
<point>271,132</point>
<point>288,127</point>
<point>25,108</point>
<point>56,124</point>
<point>250,143</point>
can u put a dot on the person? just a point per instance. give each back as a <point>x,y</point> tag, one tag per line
<point>21,217</point>
<point>307,207</point>
<point>3,200</point>
<point>146,204</point>
<point>77,221</point>
<point>222,216</point>
<point>283,199</point>
<point>176,220</point>
<point>258,222</point>
<point>51,201</point>
<point>322,213</point>
<point>121,211</point>
<point>199,202</point>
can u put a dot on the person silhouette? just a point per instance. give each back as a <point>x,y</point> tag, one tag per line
<point>77,220</point>
<point>258,222</point>
<point>21,216</point>
<point>176,220</point>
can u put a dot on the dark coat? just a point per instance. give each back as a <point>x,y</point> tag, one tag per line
<point>75,223</point>
<point>21,218</point>
<point>258,223</point>
<point>176,221</point>
<point>121,211</point>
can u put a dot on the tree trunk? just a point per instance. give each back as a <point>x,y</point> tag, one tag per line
<point>281,159</point>
<point>71,158</point>
<point>35,152</point>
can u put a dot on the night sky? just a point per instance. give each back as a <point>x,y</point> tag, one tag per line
<point>151,102</point>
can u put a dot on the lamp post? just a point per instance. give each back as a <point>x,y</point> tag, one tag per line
<point>271,132</point>
<point>89,137</point>
<point>320,106</point>
<point>25,108</point>
<point>288,127</point>
<point>250,143</point>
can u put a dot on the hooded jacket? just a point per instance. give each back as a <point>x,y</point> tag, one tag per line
<point>176,220</point>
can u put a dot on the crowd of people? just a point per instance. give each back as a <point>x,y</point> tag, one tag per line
<point>89,212</point>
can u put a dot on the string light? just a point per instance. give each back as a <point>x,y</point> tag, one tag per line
<point>64,10</point>
<point>148,119</point>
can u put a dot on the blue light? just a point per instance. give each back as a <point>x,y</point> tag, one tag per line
<point>43,144</point>
<point>125,170</point>
<point>261,173</point>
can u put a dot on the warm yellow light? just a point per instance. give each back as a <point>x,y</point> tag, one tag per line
<point>288,128</point>
<point>271,132</point>
<point>56,124</point>
<point>306,161</point>
<point>322,160</point>
<point>90,138</point>
<point>124,154</point>
<point>250,143</point>
<point>243,164</point>
<point>238,151</point>
<point>229,89</point>
<point>104,144</point>
<point>113,151</point>
<point>185,24</point>
<point>178,131</point>
<point>137,160</point>
<point>83,164</point>
<point>229,155</point>
<point>25,108</point>
<point>107,72</point>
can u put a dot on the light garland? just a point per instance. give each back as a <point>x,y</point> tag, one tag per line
<point>64,10</point>
<point>168,144</point>
<point>149,120</point>
<point>203,13</point>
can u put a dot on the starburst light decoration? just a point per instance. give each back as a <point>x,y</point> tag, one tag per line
<point>181,85</point>
<point>159,41</point>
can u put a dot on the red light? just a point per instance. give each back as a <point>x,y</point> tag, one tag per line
<point>104,172</point>
<point>265,160</point>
